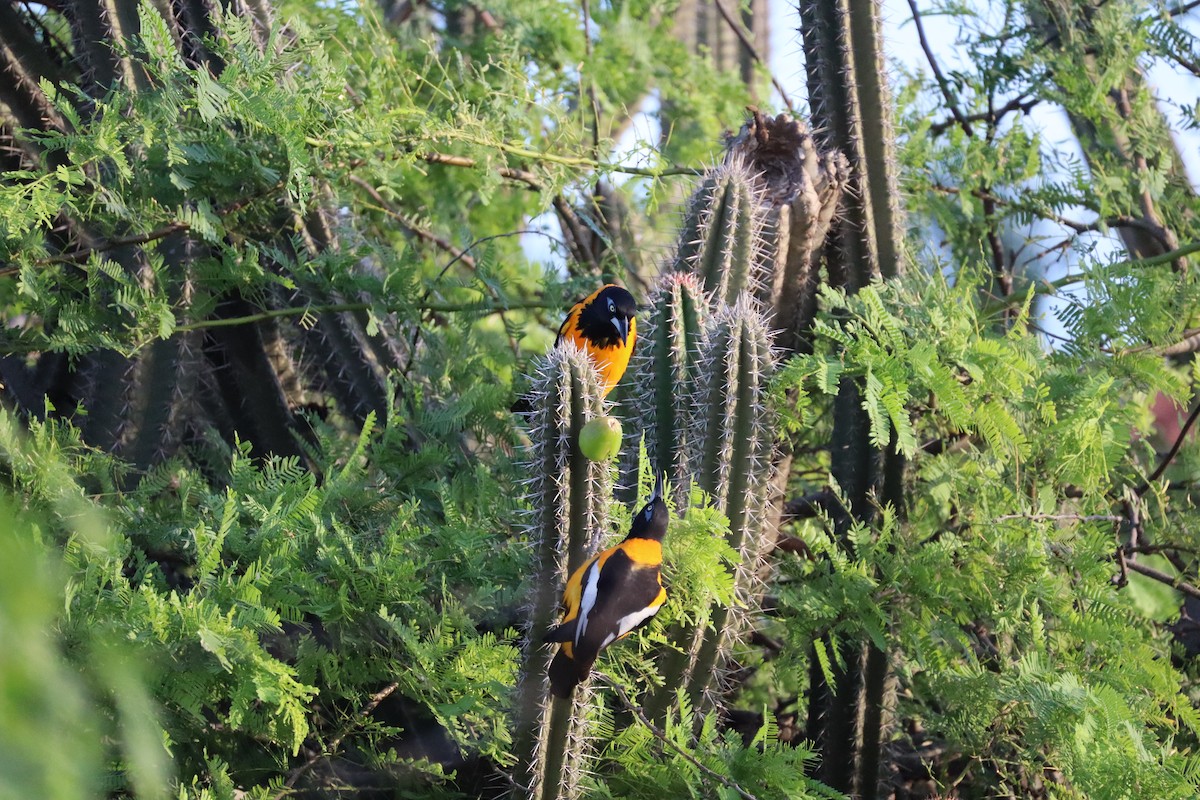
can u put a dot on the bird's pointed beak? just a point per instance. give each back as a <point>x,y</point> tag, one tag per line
<point>622,326</point>
<point>658,492</point>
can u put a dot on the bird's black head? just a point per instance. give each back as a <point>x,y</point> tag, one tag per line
<point>608,319</point>
<point>651,521</point>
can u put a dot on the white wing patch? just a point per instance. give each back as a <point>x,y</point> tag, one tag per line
<point>591,582</point>
<point>630,621</point>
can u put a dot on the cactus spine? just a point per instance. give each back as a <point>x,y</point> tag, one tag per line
<point>569,496</point>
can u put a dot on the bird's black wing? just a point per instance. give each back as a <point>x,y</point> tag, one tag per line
<point>623,591</point>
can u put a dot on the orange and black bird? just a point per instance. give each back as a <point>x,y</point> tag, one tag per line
<point>603,325</point>
<point>612,594</point>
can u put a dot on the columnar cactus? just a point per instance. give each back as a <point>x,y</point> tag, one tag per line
<point>802,188</point>
<point>730,457</point>
<point>664,372</point>
<point>843,53</point>
<point>569,496</point>
<point>696,391</point>
<point>722,237</point>
<point>246,378</point>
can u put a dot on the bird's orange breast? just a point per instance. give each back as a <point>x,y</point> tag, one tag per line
<point>610,362</point>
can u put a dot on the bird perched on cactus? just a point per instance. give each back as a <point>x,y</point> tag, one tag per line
<point>603,324</point>
<point>609,596</point>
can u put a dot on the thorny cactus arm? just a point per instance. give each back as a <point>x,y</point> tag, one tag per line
<point>802,187</point>
<point>569,495</point>
<point>843,52</point>
<point>722,238</point>
<point>731,460</point>
<point>733,463</point>
<point>664,372</point>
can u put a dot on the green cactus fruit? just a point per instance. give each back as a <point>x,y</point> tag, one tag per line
<point>600,439</point>
<point>569,494</point>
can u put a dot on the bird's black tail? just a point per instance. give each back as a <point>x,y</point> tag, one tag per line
<point>564,675</point>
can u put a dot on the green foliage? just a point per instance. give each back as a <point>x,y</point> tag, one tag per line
<point>1001,565</point>
<point>264,294</point>
<point>699,755</point>
<point>273,608</point>
<point>95,710</point>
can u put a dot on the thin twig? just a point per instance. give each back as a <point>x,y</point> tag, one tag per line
<point>1020,103</point>
<point>81,254</point>
<point>943,84</point>
<point>1162,258</point>
<point>580,161</point>
<point>576,233</point>
<point>363,712</point>
<point>412,227</point>
<point>1185,62</point>
<point>748,43</point>
<point>1162,577</point>
<point>662,737</point>
<point>1113,221</point>
<point>1063,517</point>
<point>459,255</point>
<point>300,311</point>
<point>1044,287</point>
<point>1174,451</point>
<point>569,220</point>
<point>524,176</point>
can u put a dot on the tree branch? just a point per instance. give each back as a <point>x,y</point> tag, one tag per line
<point>1113,221</point>
<point>943,84</point>
<point>1162,577</point>
<point>1190,343</point>
<point>299,772</point>
<point>1183,8</point>
<point>748,43</point>
<point>1020,103</point>
<point>1170,456</point>
<point>1152,549</point>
